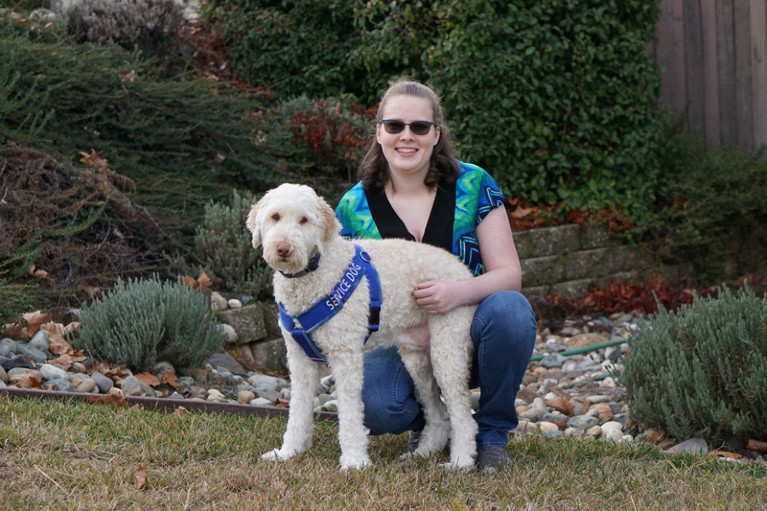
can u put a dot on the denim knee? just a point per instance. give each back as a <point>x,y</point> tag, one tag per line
<point>388,394</point>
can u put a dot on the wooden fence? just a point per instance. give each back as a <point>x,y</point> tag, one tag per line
<point>712,60</point>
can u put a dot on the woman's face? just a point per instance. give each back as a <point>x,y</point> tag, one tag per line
<point>406,152</point>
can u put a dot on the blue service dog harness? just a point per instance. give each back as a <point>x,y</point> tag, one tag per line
<point>329,306</point>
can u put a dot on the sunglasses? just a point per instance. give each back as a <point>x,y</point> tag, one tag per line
<point>394,126</point>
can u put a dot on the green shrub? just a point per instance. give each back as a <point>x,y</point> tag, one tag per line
<point>556,98</point>
<point>184,142</point>
<point>329,136</point>
<point>75,223</point>
<point>17,298</point>
<point>223,245</point>
<point>293,47</point>
<point>702,371</point>
<point>715,207</point>
<point>142,322</point>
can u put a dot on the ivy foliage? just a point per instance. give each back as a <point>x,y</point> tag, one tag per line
<point>703,371</point>
<point>292,47</point>
<point>556,98</point>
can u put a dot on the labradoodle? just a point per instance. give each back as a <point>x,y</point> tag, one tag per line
<point>316,273</point>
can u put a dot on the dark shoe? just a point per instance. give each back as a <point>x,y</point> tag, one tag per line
<point>412,444</point>
<point>492,457</point>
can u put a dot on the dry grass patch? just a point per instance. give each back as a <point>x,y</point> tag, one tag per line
<point>71,456</point>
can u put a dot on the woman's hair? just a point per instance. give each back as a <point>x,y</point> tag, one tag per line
<point>374,169</point>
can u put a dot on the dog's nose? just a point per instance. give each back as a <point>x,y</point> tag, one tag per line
<point>283,249</point>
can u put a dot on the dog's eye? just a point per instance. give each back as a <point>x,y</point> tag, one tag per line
<point>303,220</point>
<point>276,217</point>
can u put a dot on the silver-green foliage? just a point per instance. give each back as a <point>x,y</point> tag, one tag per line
<point>703,371</point>
<point>141,322</point>
<point>132,24</point>
<point>223,245</point>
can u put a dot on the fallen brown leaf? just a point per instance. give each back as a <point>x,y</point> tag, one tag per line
<point>37,274</point>
<point>59,346</point>
<point>92,291</point>
<point>170,379</point>
<point>15,330</point>
<point>65,360</point>
<point>139,480</point>
<point>116,399</point>
<point>181,411</point>
<point>116,374</point>
<point>27,381</point>
<point>93,159</point>
<point>58,332</point>
<point>149,379</point>
<point>725,454</point>
<point>34,321</point>
<point>562,404</point>
<point>756,445</point>
<point>522,212</point>
<point>190,281</point>
<point>204,280</point>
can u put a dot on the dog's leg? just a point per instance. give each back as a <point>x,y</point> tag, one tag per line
<point>451,350</point>
<point>435,434</point>
<point>304,377</point>
<point>352,434</point>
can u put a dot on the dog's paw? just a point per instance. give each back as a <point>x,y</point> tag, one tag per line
<point>354,462</point>
<point>418,453</point>
<point>278,455</point>
<point>453,466</point>
<point>459,463</point>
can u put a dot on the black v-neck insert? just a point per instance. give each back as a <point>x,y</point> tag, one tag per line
<point>439,228</point>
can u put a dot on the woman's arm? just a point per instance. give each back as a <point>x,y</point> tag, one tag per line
<point>503,271</point>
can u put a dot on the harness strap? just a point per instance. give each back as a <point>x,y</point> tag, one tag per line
<point>301,325</point>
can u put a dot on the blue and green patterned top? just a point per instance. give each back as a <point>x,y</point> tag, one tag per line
<point>368,214</point>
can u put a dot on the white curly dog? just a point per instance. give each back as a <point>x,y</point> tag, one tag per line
<point>316,269</point>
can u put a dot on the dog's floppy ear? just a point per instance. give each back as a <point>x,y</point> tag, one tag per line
<point>329,221</point>
<point>253,224</point>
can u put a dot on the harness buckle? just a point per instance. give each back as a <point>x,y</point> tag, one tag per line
<point>374,319</point>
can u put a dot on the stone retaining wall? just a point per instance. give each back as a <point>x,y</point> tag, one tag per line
<point>259,345</point>
<point>568,260</point>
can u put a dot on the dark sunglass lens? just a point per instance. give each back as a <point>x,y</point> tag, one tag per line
<point>394,127</point>
<point>420,127</point>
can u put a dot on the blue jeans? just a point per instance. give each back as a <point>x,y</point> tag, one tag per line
<point>503,332</point>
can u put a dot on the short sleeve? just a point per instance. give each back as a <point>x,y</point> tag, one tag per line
<point>477,194</point>
<point>353,212</point>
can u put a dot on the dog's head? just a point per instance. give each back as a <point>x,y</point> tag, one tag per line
<point>292,223</point>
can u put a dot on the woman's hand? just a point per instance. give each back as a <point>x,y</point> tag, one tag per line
<point>437,297</point>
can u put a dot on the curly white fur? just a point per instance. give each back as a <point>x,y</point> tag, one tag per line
<point>292,223</point>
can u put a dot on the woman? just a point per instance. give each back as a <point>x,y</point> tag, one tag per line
<point>412,186</point>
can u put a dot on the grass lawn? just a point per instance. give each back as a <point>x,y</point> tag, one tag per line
<point>72,455</point>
